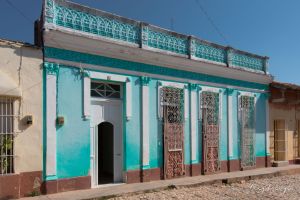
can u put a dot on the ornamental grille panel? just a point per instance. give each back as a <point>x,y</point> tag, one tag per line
<point>105,90</point>
<point>210,53</point>
<point>210,126</point>
<point>167,42</point>
<point>172,101</point>
<point>102,24</point>
<point>247,131</point>
<point>248,62</point>
<point>6,136</point>
<point>98,25</point>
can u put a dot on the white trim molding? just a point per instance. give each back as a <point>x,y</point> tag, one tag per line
<point>51,70</point>
<point>230,121</point>
<point>117,78</point>
<point>108,76</point>
<point>128,99</point>
<point>186,103</point>
<point>193,120</point>
<point>250,94</point>
<point>145,121</point>
<point>86,96</point>
<point>210,89</point>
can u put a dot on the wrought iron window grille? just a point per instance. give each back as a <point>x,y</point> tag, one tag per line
<point>7,134</point>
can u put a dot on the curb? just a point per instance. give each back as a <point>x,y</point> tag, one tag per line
<point>209,182</point>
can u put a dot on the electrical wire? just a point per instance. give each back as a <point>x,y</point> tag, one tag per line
<point>211,21</point>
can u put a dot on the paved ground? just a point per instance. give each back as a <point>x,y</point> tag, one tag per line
<point>204,184</point>
<point>282,187</point>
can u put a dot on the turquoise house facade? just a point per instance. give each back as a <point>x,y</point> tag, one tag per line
<point>126,101</point>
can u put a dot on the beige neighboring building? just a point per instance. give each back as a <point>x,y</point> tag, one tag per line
<point>284,123</point>
<point>20,119</point>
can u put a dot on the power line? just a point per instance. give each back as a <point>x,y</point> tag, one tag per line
<point>211,21</point>
<point>27,18</point>
<point>19,11</point>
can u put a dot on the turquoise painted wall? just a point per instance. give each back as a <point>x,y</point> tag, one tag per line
<point>156,136</point>
<point>260,137</point>
<point>224,136</point>
<point>133,130</point>
<point>73,138</point>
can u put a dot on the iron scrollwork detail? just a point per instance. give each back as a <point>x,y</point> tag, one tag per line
<point>210,104</point>
<point>247,130</point>
<point>172,101</point>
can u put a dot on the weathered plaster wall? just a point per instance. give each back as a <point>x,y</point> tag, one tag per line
<point>22,63</point>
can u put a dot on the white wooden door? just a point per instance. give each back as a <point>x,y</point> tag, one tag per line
<point>105,110</point>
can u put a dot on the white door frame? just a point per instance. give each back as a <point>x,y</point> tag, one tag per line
<point>94,140</point>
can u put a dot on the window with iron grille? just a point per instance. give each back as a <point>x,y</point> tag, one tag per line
<point>106,90</point>
<point>6,135</point>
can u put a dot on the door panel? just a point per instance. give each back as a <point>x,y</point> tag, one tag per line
<point>109,111</point>
<point>247,131</point>
<point>280,142</point>
<point>210,127</point>
<point>173,131</point>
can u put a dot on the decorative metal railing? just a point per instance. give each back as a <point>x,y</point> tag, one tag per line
<point>80,18</point>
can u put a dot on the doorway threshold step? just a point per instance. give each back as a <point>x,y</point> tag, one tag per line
<point>297,161</point>
<point>280,163</point>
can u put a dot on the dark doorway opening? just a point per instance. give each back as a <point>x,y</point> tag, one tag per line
<point>105,153</point>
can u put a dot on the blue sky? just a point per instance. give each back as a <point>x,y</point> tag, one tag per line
<point>269,28</point>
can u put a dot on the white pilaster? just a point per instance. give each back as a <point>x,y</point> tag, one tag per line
<point>159,103</point>
<point>186,103</point>
<point>128,99</point>
<point>230,122</point>
<point>86,96</point>
<point>51,70</point>
<point>145,121</point>
<point>194,122</point>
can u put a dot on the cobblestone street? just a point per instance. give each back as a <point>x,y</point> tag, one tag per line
<point>283,187</point>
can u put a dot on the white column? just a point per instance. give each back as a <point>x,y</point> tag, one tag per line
<point>128,99</point>
<point>159,106</point>
<point>194,122</point>
<point>230,122</point>
<point>267,126</point>
<point>51,70</point>
<point>145,121</point>
<point>186,103</point>
<point>86,96</point>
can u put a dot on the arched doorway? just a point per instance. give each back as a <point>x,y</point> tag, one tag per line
<point>105,153</point>
<point>106,119</point>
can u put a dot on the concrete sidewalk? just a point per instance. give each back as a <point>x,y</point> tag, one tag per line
<point>116,190</point>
